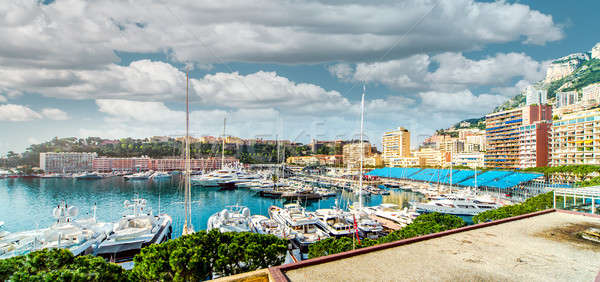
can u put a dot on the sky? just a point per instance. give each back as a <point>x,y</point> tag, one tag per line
<point>292,69</point>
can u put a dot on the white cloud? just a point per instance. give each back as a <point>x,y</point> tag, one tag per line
<point>143,79</point>
<point>266,90</point>
<point>463,102</point>
<point>55,114</point>
<point>341,71</point>
<point>12,112</point>
<point>453,71</point>
<point>83,34</point>
<point>2,99</point>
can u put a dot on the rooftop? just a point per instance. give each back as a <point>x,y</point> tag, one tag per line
<point>541,246</point>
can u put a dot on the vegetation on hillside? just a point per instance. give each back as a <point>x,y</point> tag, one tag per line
<point>129,147</point>
<point>422,225</point>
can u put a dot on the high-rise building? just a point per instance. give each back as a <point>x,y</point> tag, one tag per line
<point>470,159</point>
<point>504,132</point>
<point>591,94</point>
<point>575,139</point>
<point>596,51</point>
<point>533,144</point>
<point>564,99</point>
<point>535,95</point>
<point>351,153</point>
<point>396,144</point>
<point>66,162</point>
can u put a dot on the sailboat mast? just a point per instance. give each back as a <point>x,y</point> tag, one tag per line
<point>223,148</point>
<point>188,207</point>
<point>362,118</point>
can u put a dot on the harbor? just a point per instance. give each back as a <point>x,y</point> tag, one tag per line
<point>28,203</point>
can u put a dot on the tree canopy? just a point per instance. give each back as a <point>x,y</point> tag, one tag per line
<point>198,256</point>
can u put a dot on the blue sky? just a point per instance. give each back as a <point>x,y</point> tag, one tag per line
<point>288,68</point>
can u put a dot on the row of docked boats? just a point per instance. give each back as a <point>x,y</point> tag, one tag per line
<point>144,175</point>
<point>303,228</point>
<point>117,242</point>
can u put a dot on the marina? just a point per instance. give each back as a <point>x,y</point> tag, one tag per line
<point>27,203</point>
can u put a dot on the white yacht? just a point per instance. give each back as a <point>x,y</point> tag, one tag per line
<point>392,212</point>
<point>458,204</point>
<point>160,175</point>
<point>334,222</point>
<point>87,175</point>
<point>367,226</point>
<point>232,219</point>
<point>139,175</point>
<point>78,236</point>
<point>136,229</point>
<point>3,232</point>
<point>223,176</point>
<point>264,225</point>
<point>304,225</point>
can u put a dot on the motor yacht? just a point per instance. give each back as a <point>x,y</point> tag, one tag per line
<point>458,204</point>
<point>231,219</point>
<point>139,175</point>
<point>136,229</point>
<point>304,225</point>
<point>87,175</point>
<point>80,236</point>
<point>264,225</point>
<point>334,222</point>
<point>160,175</point>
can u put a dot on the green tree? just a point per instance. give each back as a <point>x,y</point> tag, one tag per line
<point>197,256</point>
<point>59,265</point>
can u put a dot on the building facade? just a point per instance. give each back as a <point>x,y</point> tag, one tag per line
<point>66,162</point>
<point>351,153</point>
<point>396,144</point>
<point>535,95</point>
<point>470,159</point>
<point>105,164</point>
<point>431,157</point>
<point>576,139</point>
<point>503,134</point>
<point>328,160</point>
<point>533,144</point>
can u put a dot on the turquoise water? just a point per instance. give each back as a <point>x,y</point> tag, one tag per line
<point>27,204</point>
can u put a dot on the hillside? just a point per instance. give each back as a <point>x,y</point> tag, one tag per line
<point>588,72</point>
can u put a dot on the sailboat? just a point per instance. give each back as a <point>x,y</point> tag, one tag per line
<point>187,224</point>
<point>367,227</point>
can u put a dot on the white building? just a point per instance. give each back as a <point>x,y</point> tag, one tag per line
<point>591,93</point>
<point>568,98</point>
<point>66,162</point>
<point>596,51</point>
<point>472,159</point>
<point>403,162</point>
<point>535,95</point>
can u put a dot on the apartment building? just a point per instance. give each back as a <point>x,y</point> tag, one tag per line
<point>432,157</point>
<point>533,144</point>
<point>504,132</point>
<point>351,154</point>
<point>396,145</point>
<point>575,139</point>
<point>66,162</point>
<point>470,159</point>
<point>534,95</point>
<point>106,164</point>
